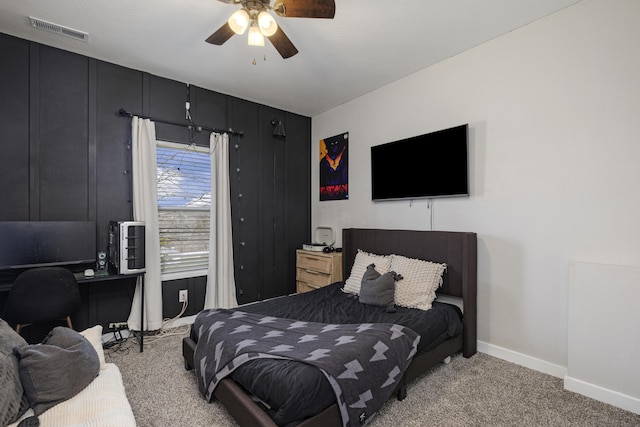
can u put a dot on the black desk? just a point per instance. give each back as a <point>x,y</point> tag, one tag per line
<point>103,276</point>
<point>100,276</point>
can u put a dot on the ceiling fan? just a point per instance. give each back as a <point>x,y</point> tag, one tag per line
<point>255,16</point>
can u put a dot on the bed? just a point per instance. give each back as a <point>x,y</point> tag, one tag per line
<point>456,249</point>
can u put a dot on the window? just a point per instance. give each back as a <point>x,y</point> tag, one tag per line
<point>184,200</point>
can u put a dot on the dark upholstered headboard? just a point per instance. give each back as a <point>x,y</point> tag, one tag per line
<point>457,249</point>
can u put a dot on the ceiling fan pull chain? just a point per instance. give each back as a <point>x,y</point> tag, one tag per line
<point>187,105</point>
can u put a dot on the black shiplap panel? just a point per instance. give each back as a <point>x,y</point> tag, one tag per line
<point>92,138</point>
<point>272,173</point>
<point>208,108</point>
<point>170,289</point>
<point>297,191</point>
<point>245,210</point>
<point>117,87</point>
<point>63,147</point>
<point>266,203</point>
<point>196,287</point>
<point>167,99</point>
<point>109,301</point>
<point>280,226</point>
<point>14,128</point>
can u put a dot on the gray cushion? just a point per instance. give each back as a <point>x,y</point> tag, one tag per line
<point>56,370</point>
<point>13,402</point>
<point>378,289</point>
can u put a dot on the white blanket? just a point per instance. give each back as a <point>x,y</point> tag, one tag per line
<point>103,403</point>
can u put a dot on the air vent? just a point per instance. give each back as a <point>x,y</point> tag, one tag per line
<point>58,29</point>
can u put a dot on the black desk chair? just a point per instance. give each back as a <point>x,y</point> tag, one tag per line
<point>41,295</point>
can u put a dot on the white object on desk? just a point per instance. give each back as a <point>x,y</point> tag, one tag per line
<point>323,237</point>
<point>89,272</point>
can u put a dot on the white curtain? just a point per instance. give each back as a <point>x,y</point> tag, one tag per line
<point>145,208</point>
<point>221,285</point>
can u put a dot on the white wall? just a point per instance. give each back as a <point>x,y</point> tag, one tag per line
<point>609,371</point>
<point>554,114</point>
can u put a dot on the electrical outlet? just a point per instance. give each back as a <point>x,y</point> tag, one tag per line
<point>183,295</point>
<point>118,325</point>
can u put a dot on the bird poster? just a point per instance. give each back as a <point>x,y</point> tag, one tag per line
<point>334,167</point>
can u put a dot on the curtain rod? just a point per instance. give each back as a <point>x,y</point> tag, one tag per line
<point>193,126</point>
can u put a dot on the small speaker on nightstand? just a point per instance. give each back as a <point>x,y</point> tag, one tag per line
<point>101,264</point>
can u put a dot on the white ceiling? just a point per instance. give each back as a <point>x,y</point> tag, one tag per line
<point>369,44</point>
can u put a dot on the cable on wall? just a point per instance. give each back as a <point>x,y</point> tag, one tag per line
<point>430,207</point>
<point>167,330</point>
<point>123,340</point>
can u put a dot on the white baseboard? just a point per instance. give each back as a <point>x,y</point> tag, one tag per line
<point>611,397</point>
<point>522,359</point>
<point>626,402</point>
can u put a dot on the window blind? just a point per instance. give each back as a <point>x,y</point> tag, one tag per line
<point>184,200</point>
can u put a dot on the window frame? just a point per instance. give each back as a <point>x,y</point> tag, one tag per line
<point>166,276</point>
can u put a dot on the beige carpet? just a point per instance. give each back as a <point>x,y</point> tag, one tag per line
<point>480,391</point>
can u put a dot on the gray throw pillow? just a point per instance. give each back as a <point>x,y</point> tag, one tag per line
<point>378,289</point>
<point>58,369</point>
<point>13,402</point>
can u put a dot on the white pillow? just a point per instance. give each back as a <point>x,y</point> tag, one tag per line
<point>420,280</point>
<point>94,336</point>
<point>360,264</point>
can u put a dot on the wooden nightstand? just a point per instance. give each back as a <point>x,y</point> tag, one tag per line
<point>317,269</point>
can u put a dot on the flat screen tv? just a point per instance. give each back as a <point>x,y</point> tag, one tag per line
<point>425,166</point>
<point>27,244</point>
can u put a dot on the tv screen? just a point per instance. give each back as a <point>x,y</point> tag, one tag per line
<point>27,244</point>
<point>425,166</point>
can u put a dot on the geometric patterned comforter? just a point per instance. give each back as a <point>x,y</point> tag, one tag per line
<point>362,362</point>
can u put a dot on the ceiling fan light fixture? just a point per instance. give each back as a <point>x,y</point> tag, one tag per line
<point>255,35</point>
<point>260,18</point>
<point>239,21</point>
<point>267,24</point>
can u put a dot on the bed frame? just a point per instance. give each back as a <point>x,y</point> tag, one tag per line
<point>457,249</point>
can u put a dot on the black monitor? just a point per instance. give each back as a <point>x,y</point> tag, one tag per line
<point>425,166</point>
<point>27,244</point>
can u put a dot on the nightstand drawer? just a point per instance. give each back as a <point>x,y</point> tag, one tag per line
<point>320,263</point>
<point>305,287</point>
<point>317,269</point>
<point>313,277</point>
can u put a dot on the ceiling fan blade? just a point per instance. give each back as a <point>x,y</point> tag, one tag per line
<point>305,8</point>
<point>223,34</point>
<point>283,45</point>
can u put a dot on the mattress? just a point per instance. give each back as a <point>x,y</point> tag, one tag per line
<point>291,391</point>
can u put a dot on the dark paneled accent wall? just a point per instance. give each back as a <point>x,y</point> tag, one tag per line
<point>245,214</point>
<point>66,155</point>
<point>14,113</point>
<point>59,136</point>
<point>116,87</point>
